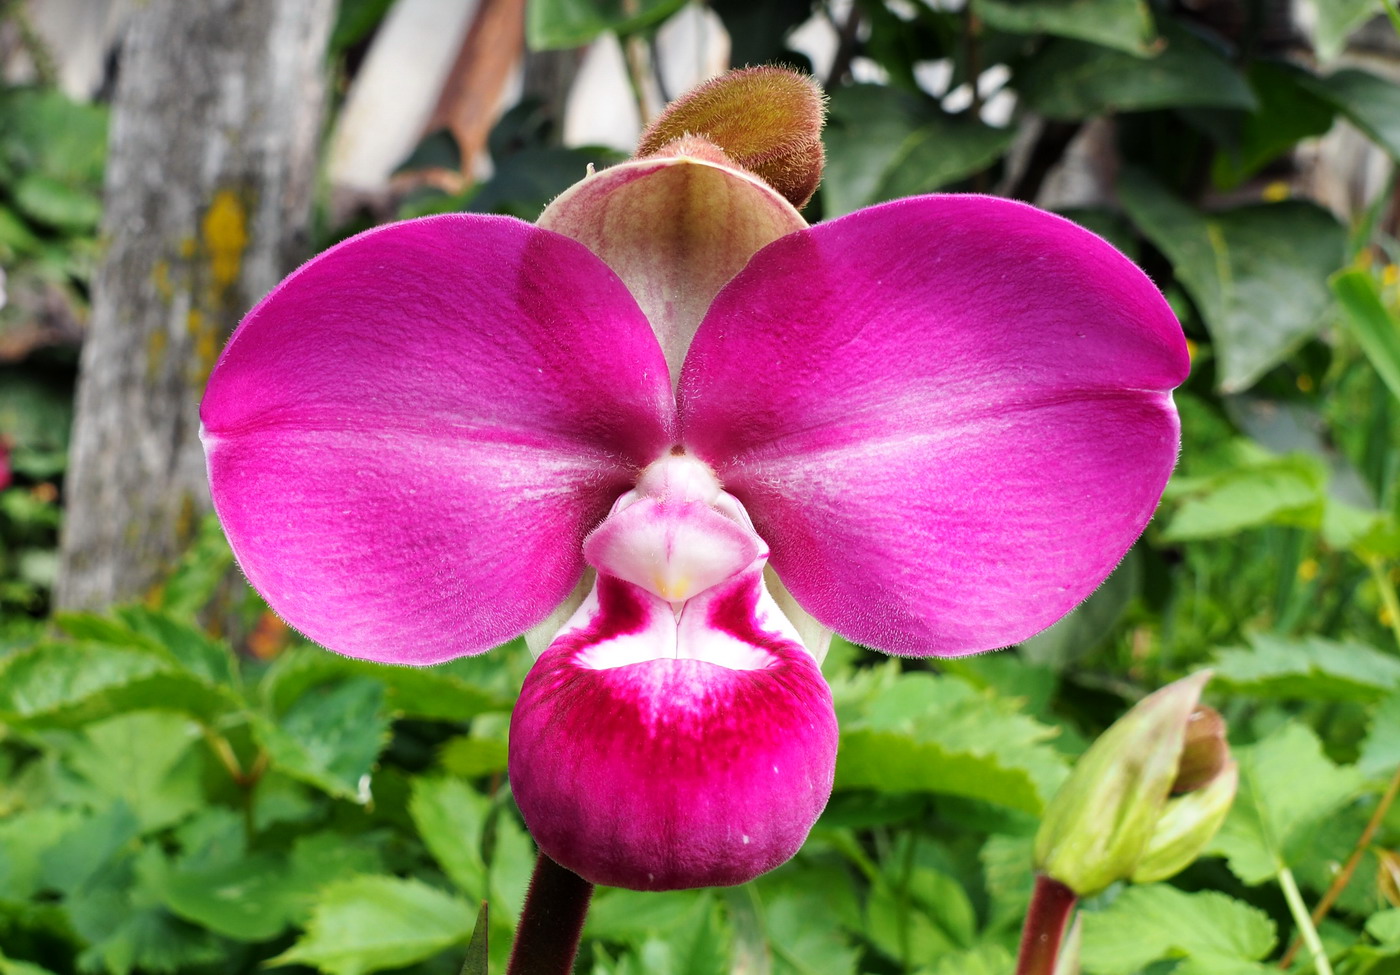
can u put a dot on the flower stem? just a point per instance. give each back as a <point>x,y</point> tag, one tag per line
<point>1051,905</point>
<point>547,939</point>
<point>1299,910</point>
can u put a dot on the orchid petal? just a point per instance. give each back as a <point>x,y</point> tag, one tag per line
<point>409,439</point>
<point>659,753</point>
<point>675,230</point>
<point>948,416</point>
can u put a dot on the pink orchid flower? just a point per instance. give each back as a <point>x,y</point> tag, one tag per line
<point>938,423</point>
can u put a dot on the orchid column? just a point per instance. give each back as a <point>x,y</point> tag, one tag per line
<point>680,437</point>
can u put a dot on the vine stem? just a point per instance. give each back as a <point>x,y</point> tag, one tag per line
<point>1339,883</point>
<point>1051,905</point>
<point>1306,929</point>
<point>552,921</point>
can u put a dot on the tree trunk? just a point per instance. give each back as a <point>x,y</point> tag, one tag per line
<point>209,180</point>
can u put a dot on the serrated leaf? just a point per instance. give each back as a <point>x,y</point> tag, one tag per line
<point>1288,788</point>
<point>1375,328</point>
<point>143,759</point>
<point>451,818</point>
<point>885,143</point>
<point>1380,755</point>
<point>1122,24</point>
<point>25,838</point>
<point>419,692</point>
<point>1258,274</point>
<point>553,24</point>
<point>1308,668</point>
<point>202,655</point>
<point>331,738</point>
<point>255,898</point>
<point>368,924</point>
<point>511,862</point>
<point>923,733</point>
<point>1157,922</point>
<point>1075,80</point>
<point>983,960</point>
<point>805,913</point>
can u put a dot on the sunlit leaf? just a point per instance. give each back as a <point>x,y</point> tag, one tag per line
<point>1156,922</point>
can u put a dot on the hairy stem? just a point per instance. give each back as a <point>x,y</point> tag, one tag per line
<point>547,939</point>
<point>1051,905</point>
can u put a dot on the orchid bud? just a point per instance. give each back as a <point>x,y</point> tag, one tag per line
<point>1145,799</point>
<point>767,120</point>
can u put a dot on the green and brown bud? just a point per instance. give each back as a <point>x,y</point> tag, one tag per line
<point>766,120</point>
<point>1145,799</point>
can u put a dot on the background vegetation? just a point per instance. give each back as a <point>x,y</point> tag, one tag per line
<point>170,802</point>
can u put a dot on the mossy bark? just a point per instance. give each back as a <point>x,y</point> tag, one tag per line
<point>211,167</point>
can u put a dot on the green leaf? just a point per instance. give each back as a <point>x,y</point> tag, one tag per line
<point>418,692</point>
<point>42,130</point>
<point>468,756</point>
<point>1288,111</point>
<point>804,913</point>
<point>49,201</point>
<point>552,24</point>
<point>330,738</point>
<point>1371,102</point>
<point>512,861</point>
<point>1380,755</point>
<point>1258,274</point>
<point>1157,922</point>
<point>8,966</point>
<point>368,924</point>
<point>1375,328</point>
<point>477,954</point>
<point>924,733</point>
<point>209,659</point>
<point>1122,24</point>
<point>1335,21</point>
<point>451,818</point>
<point>885,143</point>
<point>1309,668</point>
<point>145,760</point>
<point>69,685</point>
<point>983,960</point>
<point>26,838</point>
<point>1075,80</point>
<point>255,898</point>
<point>1288,788</point>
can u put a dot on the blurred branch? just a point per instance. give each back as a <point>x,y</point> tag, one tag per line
<point>848,37</point>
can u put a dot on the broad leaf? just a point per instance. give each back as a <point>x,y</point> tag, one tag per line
<point>1076,80</point>
<point>551,24</point>
<point>885,143</point>
<point>1288,788</point>
<point>1370,101</point>
<point>941,735</point>
<point>451,819</point>
<point>1288,111</point>
<point>1308,668</point>
<point>1375,328</point>
<point>1157,922</point>
<point>368,924</point>
<point>330,738</point>
<point>1336,19</point>
<point>1380,755</point>
<point>1122,24</point>
<point>1258,274</point>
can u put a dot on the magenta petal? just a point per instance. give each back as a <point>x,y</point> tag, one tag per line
<point>410,437</point>
<point>674,771</point>
<point>962,421</point>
